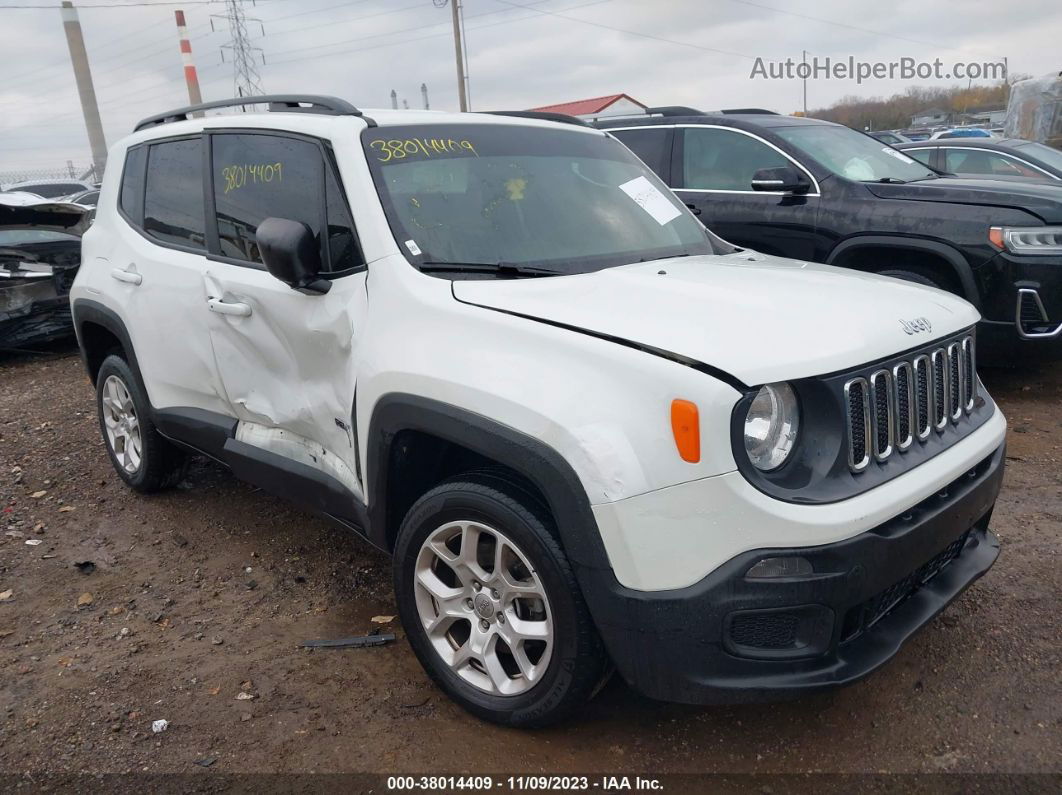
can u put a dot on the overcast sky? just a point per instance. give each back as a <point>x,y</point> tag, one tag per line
<point>690,52</point>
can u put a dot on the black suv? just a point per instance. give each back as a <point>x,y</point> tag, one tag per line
<point>819,191</point>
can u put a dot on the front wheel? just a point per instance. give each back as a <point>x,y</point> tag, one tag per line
<point>491,606</point>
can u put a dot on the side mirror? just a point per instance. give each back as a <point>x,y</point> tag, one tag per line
<point>291,254</point>
<point>785,179</point>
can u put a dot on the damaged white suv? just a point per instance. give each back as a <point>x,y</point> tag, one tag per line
<point>591,433</point>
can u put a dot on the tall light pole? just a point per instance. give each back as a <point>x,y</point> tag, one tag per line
<point>86,92</point>
<point>459,51</point>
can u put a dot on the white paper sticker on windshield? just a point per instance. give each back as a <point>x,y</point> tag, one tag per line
<point>414,249</point>
<point>647,196</point>
<point>898,155</point>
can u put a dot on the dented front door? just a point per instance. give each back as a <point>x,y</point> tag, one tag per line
<point>286,364</point>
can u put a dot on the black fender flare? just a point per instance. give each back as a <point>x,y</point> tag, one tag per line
<point>960,267</point>
<point>531,458</point>
<point>85,310</point>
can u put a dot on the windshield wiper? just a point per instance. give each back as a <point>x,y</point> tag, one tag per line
<point>889,181</point>
<point>504,268</point>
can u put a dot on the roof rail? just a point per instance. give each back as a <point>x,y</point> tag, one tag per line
<point>288,103</point>
<point>673,110</point>
<point>544,115</point>
<point>749,111</point>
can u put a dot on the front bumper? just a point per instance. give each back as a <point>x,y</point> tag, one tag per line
<point>732,638</point>
<point>1022,310</point>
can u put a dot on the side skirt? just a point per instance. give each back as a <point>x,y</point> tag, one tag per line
<point>213,435</point>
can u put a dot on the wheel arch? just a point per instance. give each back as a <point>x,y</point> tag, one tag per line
<point>98,328</point>
<point>958,267</point>
<point>397,416</point>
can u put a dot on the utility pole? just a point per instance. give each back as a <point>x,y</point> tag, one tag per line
<point>190,76</point>
<point>87,93</point>
<point>424,94</point>
<point>246,81</point>
<point>394,99</point>
<point>459,51</point>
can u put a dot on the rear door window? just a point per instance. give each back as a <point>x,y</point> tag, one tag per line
<point>987,163</point>
<point>924,156</point>
<point>173,195</point>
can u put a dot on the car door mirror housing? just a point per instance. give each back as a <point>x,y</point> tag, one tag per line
<point>292,254</point>
<point>785,179</point>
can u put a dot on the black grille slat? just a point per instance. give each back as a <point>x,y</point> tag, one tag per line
<point>902,382</point>
<point>879,390</point>
<point>858,419</point>
<point>940,389</point>
<point>922,396</point>
<point>956,379</point>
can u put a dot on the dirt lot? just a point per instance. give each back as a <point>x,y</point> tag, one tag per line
<point>203,593</point>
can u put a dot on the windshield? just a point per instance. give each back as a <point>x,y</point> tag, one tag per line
<point>555,200</point>
<point>853,155</point>
<point>1045,154</point>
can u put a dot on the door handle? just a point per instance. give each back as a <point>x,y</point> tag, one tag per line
<point>129,277</point>
<point>229,308</point>
<point>694,209</point>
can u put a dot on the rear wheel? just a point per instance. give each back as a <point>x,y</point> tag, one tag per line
<point>141,456</point>
<point>491,605</point>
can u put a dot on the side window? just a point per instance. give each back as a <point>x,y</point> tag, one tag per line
<point>342,244</point>
<point>650,145</point>
<point>923,156</point>
<point>715,159</point>
<point>971,161</point>
<point>131,197</point>
<point>173,195</point>
<point>264,176</point>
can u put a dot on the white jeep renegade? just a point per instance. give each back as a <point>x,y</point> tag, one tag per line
<point>591,433</point>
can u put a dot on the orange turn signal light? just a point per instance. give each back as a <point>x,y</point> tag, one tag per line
<point>995,237</point>
<point>686,426</point>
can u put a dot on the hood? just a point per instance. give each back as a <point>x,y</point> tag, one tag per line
<point>755,317</point>
<point>29,211</point>
<point>1042,199</point>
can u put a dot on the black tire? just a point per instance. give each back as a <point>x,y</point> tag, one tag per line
<point>161,463</point>
<point>912,276</point>
<point>578,660</point>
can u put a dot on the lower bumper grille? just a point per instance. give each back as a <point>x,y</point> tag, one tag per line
<point>863,616</point>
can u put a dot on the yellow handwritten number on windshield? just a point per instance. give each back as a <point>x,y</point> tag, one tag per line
<point>400,149</point>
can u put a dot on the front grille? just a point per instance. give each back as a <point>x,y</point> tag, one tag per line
<point>765,630</point>
<point>892,408</point>
<point>863,616</point>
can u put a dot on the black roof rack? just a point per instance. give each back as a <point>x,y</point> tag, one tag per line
<point>673,110</point>
<point>288,103</point>
<point>563,118</point>
<point>747,111</point>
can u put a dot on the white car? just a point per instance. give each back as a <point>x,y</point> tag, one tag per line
<point>50,188</point>
<point>590,432</point>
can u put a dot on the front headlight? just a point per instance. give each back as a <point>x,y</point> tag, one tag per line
<point>1027,239</point>
<point>771,426</point>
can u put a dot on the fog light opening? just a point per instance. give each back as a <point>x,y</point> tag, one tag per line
<point>780,567</point>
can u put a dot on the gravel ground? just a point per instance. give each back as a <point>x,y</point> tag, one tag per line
<point>199,596</point>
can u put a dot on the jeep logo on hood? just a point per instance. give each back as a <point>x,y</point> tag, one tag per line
<point>916,325</point>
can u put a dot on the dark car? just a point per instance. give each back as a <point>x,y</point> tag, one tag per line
<point>991,158</point>
<point>814,190</point>
<point>40,252</point>
<point>889,137</point>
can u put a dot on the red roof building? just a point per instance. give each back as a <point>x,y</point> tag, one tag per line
<point>598,107</point>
